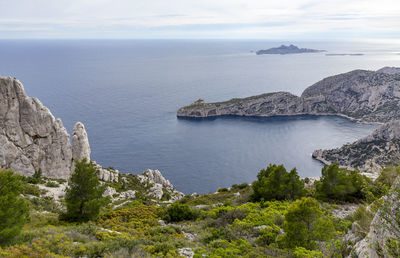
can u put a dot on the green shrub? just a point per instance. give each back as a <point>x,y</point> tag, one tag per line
<point>275,183</point>
<point>240,186</point>
<point>222,189</point>
<point>178,212</point>
<point>52,184</point>
<point>301,252</point>
<point>29,189</point>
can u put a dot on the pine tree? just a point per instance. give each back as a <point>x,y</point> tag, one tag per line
<point>14,211</point>
<point>305,224</point>
<point>84,195</point>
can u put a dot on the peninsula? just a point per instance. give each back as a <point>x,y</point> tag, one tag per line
<point>360,95</point>
<point>364,96</point>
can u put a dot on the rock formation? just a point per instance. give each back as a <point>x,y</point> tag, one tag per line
<point>369,154</point>
<point>80,143</point>
<point>361,95</point>
<point>159,185</point>
<point>30,137</point>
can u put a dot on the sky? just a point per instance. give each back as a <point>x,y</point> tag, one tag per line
<point>201,19</point>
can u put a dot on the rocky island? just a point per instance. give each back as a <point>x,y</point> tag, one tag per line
<point>284,50</point>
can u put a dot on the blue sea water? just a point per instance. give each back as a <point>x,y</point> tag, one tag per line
<point>126,92</point>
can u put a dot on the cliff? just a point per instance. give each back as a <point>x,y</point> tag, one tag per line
<point>365,96</point>
<point>30,137</point>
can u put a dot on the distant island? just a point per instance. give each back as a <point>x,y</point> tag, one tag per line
<point>358,54</point>
<point>284,50</point>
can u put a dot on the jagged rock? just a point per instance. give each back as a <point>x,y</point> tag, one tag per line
<point>382,229</point>
<point>130,194</point>
<point>30,137</point>
<point>369,154</point>
<point>161,223</point>
<point>109,191</point>
<point>156,191</point>
<point>365,96</point>
<point>186,252</point>
<point>80,143</point>
<point>107,174</point>
<point>158,185</point>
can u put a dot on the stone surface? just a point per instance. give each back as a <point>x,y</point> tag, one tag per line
<point>365,96</point>
<point>369,154</point>
<point>80,143</point>
<point>158,184</point>
<point>30,137</point>
<point>186,252</point>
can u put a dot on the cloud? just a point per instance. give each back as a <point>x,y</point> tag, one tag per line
<point>284,19</point>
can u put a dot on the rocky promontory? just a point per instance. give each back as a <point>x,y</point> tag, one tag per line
<point>284,50</point>
<point>365,96</point>
<point>369,154</point>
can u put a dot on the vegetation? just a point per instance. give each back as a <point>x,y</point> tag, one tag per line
<point>84,195</point>
<point>179,212</point>
<point>231,222</point>
<point>340,184</point>
<point>14,211</point>
<point>275,183</point>
<point>305,224</point>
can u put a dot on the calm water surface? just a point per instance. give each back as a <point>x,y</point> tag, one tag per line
<point>127,93</point>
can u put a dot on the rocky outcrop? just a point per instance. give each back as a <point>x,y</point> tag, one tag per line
<point>384,226</point>
<point>30,137</point>
<point>158,185</point>
<point>369,154</point>
<point>284,50</point>
<point>80,143</point>
<point>361,95</point>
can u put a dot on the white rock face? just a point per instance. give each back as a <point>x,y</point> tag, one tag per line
<point>30,136</point>
<point>106,174</point>
<point>186,252</point>
<point>80,143</point>
<point>159,184</point>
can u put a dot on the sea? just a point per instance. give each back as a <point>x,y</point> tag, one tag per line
<point>127,92</point>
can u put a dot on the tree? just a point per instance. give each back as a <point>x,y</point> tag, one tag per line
<point>275,183</point>
<point>305,224</point>
<point>340,184</point>
<point>14,211</point>
<point>84,195</point>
